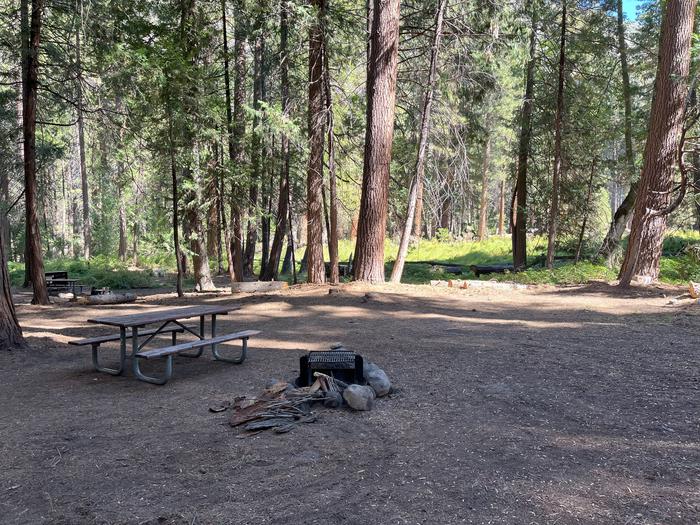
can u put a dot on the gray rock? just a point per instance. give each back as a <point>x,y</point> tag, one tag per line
<point>379,381</point>
<point>367,367</point>
<point>359,397</point>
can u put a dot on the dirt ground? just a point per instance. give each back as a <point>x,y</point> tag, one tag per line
<point>542,406</point>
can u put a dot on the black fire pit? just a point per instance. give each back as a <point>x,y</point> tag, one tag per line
<point>340,364</point>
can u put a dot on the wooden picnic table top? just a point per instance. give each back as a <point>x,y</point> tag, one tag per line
<point>162,316</point>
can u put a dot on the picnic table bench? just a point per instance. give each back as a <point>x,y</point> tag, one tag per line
<point>170,321</point>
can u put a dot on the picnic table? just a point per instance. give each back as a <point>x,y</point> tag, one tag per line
<point>168,321</point>
<point>62,285</point>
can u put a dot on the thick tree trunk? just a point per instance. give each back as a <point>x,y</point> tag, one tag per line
<point>228,225</point>
<point>558,123</point>
<point>661,151</point>
<point>519,214</point>
<point>381,97</point>
<point>283,211</point>
<point>212,196</point>
<point>192,173</point>
<point>87,228</point>
<point>622,215</point>
<point>10,332</point>
<point>197,238</point>
<point>417,182</point>
<point>256,157</point>
<point>24,45</point>
<point>316,126</point>
<point>268,192</point>
<point>35,257</point>
<point>696,174</point>
<point>237,136</point>
<point>483,208</point>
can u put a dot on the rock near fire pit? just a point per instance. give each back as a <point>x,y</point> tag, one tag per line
<point>359,397</point>
<point>377,379</point>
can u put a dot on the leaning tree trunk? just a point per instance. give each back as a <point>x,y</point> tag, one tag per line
<point>415,199</point>
<point>558,119</point>
<point>87,229</point>
<point>314,177</point>
<point>10,332</point>
<point>483,207</point>
<point>661,152</point>
<point>519,214</point>
<point>281,223</point>
<point>622,215</point>
<point>381,97</point>
<point>35,257</point>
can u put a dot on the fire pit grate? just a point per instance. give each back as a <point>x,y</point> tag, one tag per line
<point>340,364</point>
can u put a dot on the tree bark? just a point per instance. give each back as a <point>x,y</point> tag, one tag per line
<point>483,208</point>
<point>122,217</point>
<point>558,123</point>
<point>381,97</point>
<point>661,152</point>
<point>586,211</point>
<point>316,126</point>
<point>236,149</point>
<point>35,257</point>
<point>696,165</point>
<point>502,209</point>
<point>191,167</point>
<point>281,222</point>
<point>519,214</point>
<point>87,229</point>
<point>176,211</point>
<point>622,215</point>
<point>417,182</point>
<point>333,227</point>
<point>228,225</point>
<point>10,332</point>
<point>256,158</point>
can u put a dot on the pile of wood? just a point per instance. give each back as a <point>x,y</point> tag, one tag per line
<point>279,408</point>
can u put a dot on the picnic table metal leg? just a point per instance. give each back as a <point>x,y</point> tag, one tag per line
<point>213,331</point>
<point>236,360</point>
<point>135,365</point>
<point>199,352</point>
<point>122,356</point>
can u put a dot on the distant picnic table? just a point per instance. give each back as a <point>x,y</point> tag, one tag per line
<point>170,321</point>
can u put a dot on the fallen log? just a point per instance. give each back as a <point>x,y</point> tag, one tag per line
<point>107,298</point>
<point>258,286</point>
<point>486,269</point>
<point>463,285</point>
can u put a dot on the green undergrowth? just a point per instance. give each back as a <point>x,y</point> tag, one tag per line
<point>679,264</point>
